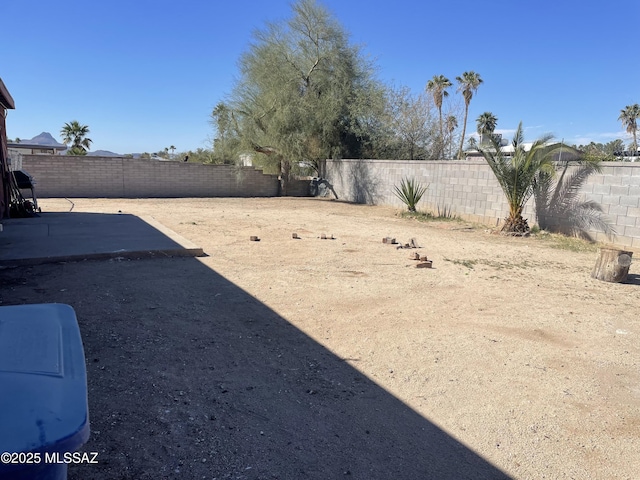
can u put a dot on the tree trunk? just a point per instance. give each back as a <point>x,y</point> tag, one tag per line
<point>285,173</point>
<point>612,265</point>
<point>464,130</point>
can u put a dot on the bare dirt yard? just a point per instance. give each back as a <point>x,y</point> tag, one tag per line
<point>339,358</point>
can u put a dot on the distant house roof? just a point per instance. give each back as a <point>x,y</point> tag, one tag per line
<point>508,150</point>
<point>627,153</point>
<point>38,144</point>
<point>6,101</point>
<point>35,146</point>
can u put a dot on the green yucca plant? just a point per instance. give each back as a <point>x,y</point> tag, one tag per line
<point>410,192</point>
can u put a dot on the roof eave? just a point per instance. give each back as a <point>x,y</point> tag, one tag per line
<point>6,100</point>
<point>36,146</point>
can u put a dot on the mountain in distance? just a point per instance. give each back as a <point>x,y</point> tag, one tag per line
<point>45,138</point>
<point>103,153</point>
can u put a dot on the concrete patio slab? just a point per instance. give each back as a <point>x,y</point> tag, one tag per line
<point>71,236</point>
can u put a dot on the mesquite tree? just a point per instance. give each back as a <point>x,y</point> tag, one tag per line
<point>304,93</point>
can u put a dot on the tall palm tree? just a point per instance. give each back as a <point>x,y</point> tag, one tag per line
<point>468,84</point>
<point>76,135</point>
<point>452,124</point>
<point>486,124</point>
<point>629,118</point>
<point>173,149</point>
<point>517,173</point>
<point>438,87</point>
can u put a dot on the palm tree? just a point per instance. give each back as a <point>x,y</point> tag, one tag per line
<point>517,173</point>
<point>629,118</point>
<point>76,135</point>
<point>438,87</point>
<point>468,84</point>
<point>486,125</point>
<point>173,149</point>
<point>452,124</point>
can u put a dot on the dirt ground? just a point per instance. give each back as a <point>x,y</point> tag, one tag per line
<point>338,358</point>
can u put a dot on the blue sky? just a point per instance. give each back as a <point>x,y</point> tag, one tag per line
<point>145,74</point>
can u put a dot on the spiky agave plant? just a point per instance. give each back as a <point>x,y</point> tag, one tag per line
<point>410,192</point>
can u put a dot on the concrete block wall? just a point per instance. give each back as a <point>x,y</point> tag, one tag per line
<point>617,190</point>
<point>299,188</point>
<point>468,189</point>
<point>81,176</point>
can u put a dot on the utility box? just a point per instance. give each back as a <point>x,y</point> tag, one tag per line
<point>44,414</point>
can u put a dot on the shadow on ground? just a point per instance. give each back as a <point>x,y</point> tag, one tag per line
<point>189,376</point>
